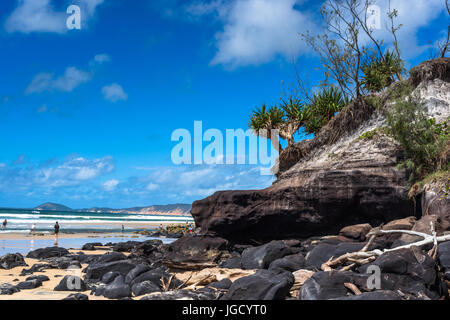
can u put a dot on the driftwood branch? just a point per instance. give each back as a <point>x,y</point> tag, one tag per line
<point>363,256</point>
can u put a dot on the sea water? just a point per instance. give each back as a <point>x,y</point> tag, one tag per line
<point>20,221</point>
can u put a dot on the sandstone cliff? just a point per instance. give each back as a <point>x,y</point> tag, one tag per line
<point>339,178</point>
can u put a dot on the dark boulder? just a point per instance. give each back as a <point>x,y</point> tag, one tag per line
<point>330,284</point>
<point>86,258</point>
<point>157,276</point>
<point>144,287</point>
<point>76,296</point>
<point>38,267</point>
<point>109,257</point>
<point>409,262</point>
<point>324,251</point>
<point>110,276</point>
<point>8,289</point>
<point>41,278</point>
<point>356,232</point>
<point>232,263</point>
<point>11,260</point>
<point>96,271</point>
<point>91,246</point>
<point>125,246</point>
<point>30,284</point>
<point>444,258</point>
<point>290,263</point>
<point>50,252</point>
<point>263,285</point>
<point>409,270</point>
<point>117,289</point>
<point>146,248</point>
<point>223,284</point>
<point>195,252</point>
<point>136,271</point>
<point>260,257</point>
<point>69,264</point>
<point>71,283</point>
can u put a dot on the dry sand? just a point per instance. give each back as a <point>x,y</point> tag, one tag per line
<point>45,292</point>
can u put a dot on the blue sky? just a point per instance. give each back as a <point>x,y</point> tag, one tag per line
<point>87,115</point>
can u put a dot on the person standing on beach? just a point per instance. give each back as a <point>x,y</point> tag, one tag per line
<point>32,228</point>
<point>5,222</point>
<point>56,233</point>
<point>123,228</point>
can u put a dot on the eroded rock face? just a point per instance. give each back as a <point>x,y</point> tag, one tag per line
<point>361,184</point>
<point>337,179</point>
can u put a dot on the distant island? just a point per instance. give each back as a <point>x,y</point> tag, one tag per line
<point>169,209</point>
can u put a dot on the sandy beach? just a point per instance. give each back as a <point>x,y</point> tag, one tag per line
<point>45,292</point>
<point>142,226</point>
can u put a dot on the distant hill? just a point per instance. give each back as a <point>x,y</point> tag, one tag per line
<point>169,209</point>
<point>53,207</point>
<point>176,209</point>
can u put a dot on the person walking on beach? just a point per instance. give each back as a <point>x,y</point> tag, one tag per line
<point>32,228</point>
<point>123,228</point>
<point>56,233</point>
<point>5,222</point>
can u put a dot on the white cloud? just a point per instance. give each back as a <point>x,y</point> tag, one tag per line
<point>110,185</point>
<point>35,16</point>
<point>114,93</point>
<point>40,16</point>
<point>73,171</point>
<point>71,79</point>
<point>151,187</point>
<point>102,58</point>
<point>412,15</point>
<point>257,31</point>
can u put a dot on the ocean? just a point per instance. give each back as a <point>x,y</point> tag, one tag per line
<point>20,221</point>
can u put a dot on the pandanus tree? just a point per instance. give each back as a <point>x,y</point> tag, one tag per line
<point>263,120</point>
<point>295,117</point>
<point>323,107</point>
<point>286,119</point>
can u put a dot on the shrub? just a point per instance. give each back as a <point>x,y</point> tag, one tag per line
<point>422,139</point>
<point>323,107</point>
<point>379,72</point>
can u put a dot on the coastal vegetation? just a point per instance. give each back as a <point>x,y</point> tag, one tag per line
<point>355,69</point>
<point>350,70</point>
<point>425,142</point>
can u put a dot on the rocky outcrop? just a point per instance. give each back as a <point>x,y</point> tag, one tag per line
<point>8,289</point>
<point>10,261</point>
<point>339,178</point>
<point>190,253</point>
<point>50,252</point>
